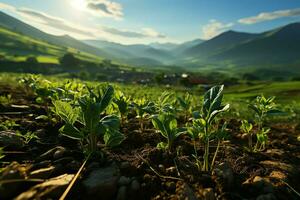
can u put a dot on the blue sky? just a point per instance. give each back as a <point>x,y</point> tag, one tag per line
<point>145,21</point>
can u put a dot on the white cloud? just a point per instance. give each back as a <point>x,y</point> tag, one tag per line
<point>60,26</point>
<point>214,28</point>
<point>149,32</point>
<point>267,16</point>
<point>100,8</point>
<point>4,6</point>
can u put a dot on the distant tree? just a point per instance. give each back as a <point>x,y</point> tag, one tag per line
<point>69,61</point>
<point>159,78</point>
<point>32,60</point>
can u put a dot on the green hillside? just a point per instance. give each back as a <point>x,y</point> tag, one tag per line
<point>17,47</point>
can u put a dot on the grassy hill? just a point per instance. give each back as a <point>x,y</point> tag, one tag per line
<point>17,47</point>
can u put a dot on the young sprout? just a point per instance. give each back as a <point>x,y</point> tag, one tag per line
<point>262,107</point>
<point>167,126</point>
<point>89,117</point>
<point>185,103</point>
<point>28,136</point>
<point>123,104</point>
<point>262,139</point>
<point>247,127</point>
<point>205,128</point>
<point>165,103</point>
<point>143,108</point>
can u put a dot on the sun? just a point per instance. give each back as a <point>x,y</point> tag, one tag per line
<point>78,4</point>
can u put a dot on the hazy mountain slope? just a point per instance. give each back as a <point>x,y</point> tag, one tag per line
<point>66,41</point>
<point>17,46</point>
<point>219,43</point>
<point>179,49</point>
<point>132,52</point>
<point>281,45</point>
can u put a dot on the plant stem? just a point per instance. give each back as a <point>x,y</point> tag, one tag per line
<point>215,155</point>
<point>64,195</point>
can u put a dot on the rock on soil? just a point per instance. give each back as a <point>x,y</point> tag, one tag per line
<point>224,176</point>
<point>51,189</point>
<point>102,183</point>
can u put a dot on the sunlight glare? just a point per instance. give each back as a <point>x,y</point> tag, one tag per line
<point>78,4</point>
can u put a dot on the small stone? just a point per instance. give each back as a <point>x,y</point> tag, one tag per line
<point>135,185</point>
<point>50,153</point>
<point>122,192</point>
<point>59,153</point>
<point>43,173</point>
<point>171,186</point>
<point>224,176</point>
<point>102,183</point>
<point>123,181</point>
<point>208,194</point>
<point>162,168</point>
<point>147,178</point>
<point>171,170</point>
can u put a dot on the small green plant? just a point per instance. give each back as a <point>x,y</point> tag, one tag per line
<point>167,126</point>
<point>28,136</point>
<point>165,103</point>
<point>8,125</point>
<point>143,109</point>
<point>86,121</point>
<point>247,127</point>
<point>185,103</point>
<point>6,100</point>
<point>262,107</point>
<point>123,104</point>
<point>206,128</point>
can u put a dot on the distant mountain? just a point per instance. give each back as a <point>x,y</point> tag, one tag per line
<point>219,43</point>
<point>136,52</point>
<point>278,46</point>
<point>181,48</point>
<point>164,46</point>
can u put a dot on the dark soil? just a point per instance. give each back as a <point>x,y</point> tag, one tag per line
<point>161,175</point>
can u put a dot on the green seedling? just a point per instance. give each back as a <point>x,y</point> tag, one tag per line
<point>86,122</point>
<point>28,136</point>
<point>262,107</point>
<point>165,103</point>
<point>247,127</point>
<point>143,109</point>
<point>8,125</point>
<point>6,100</point>
<point>167,126</point>
<point>206,128</point>
<point>123,104</point>
<point>185,103</point>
